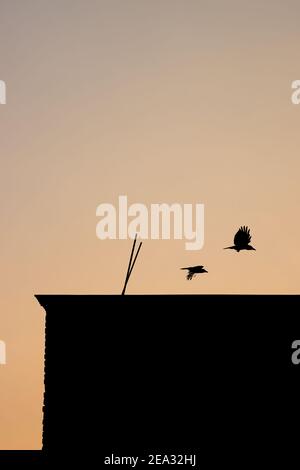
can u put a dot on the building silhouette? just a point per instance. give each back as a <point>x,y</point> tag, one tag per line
<point>136,373</point>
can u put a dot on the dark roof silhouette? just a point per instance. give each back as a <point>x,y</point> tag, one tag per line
<point>241,240</point>
<point>192,270</point>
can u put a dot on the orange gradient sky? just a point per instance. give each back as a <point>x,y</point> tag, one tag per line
<point>160,100</point>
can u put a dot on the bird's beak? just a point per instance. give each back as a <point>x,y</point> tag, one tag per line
<point>204,270</point>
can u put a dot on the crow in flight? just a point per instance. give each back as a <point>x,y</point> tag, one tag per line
<point>241,240</point>
<point>192,270</point>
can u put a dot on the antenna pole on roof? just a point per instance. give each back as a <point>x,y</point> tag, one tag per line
<point>131,263</point>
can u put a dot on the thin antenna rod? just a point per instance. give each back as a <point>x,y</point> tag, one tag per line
<point>130,266</point>
<point>130,259</point>
<point>135,258</point>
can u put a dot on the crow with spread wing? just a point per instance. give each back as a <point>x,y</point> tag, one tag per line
<point>192,270</point>
<point>241,240</point>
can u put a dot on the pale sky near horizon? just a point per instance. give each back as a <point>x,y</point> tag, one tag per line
<point>162,101</point>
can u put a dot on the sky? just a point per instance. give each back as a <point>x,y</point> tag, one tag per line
<point>162,101</point>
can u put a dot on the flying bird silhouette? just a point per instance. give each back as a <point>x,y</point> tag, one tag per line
<point>241,240</point>
<point>192,270</point>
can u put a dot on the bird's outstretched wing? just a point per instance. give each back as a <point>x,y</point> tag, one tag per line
<point>242,236</point>
<point>193,268</point>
